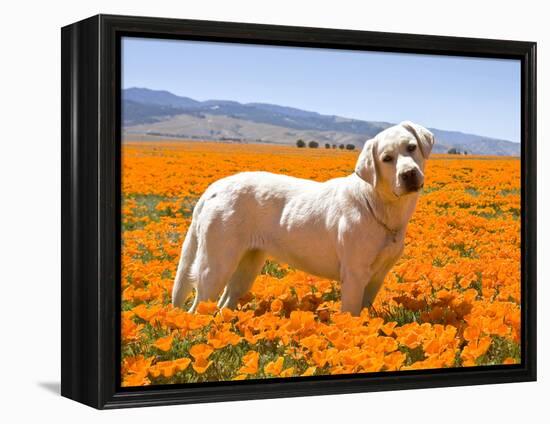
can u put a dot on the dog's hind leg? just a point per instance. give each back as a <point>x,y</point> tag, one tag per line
<point>242,279</point>
<point>183,283</point>
<point>213,268</point>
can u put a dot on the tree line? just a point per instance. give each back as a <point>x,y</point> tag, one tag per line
<point>314,145</point>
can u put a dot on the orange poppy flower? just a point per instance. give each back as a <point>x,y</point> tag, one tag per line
<point>276,306</point>
<point>309,371</point>
<point>223,338</point>
<point>207,308</point>
<point>201,364</point>
<point>250,361</point>
<point>287,373</point>
<point>200,351</point>
<point>164,343</point>
<point>275,367</point>
<point>472,333</point>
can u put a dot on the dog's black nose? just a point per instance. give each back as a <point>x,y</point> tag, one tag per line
<point>409,175</point>
<point>410,179</point>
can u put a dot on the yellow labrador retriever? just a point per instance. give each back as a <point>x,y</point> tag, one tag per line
<point>349,229</point>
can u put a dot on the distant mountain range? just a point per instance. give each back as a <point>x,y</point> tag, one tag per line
<point>160,114</point>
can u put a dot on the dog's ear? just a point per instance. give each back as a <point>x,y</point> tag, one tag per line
<point>366,163</point>
<point>424,137</point>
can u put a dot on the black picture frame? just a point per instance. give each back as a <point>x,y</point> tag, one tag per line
<point>90,177</point>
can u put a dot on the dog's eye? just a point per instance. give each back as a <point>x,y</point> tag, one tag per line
<point>387,158</point>
<point>411,147</point>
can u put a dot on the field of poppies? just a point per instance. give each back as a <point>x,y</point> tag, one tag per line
<point>452,300</point>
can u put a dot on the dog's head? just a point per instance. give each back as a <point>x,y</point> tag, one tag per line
<point>393,161</point>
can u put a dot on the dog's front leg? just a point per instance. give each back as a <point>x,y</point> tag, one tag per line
<point>353,287</point>
<point>374,285</point>
<point>371,290</point>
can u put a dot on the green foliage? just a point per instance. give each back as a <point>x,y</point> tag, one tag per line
<point>472,191</point>
<point>273,269</point>
<point>399,314</point>
<point>146,209</point>
<point>463,250</point>
<point>412,355</point>
<point>500,349</point>
<point>510,192</point>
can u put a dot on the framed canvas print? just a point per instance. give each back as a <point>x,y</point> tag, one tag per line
<point>254,211</point>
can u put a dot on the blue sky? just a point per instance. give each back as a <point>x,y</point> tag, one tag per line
<point>479,96</point>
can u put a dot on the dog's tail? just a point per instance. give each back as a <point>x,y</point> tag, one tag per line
<point>183,282</point>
